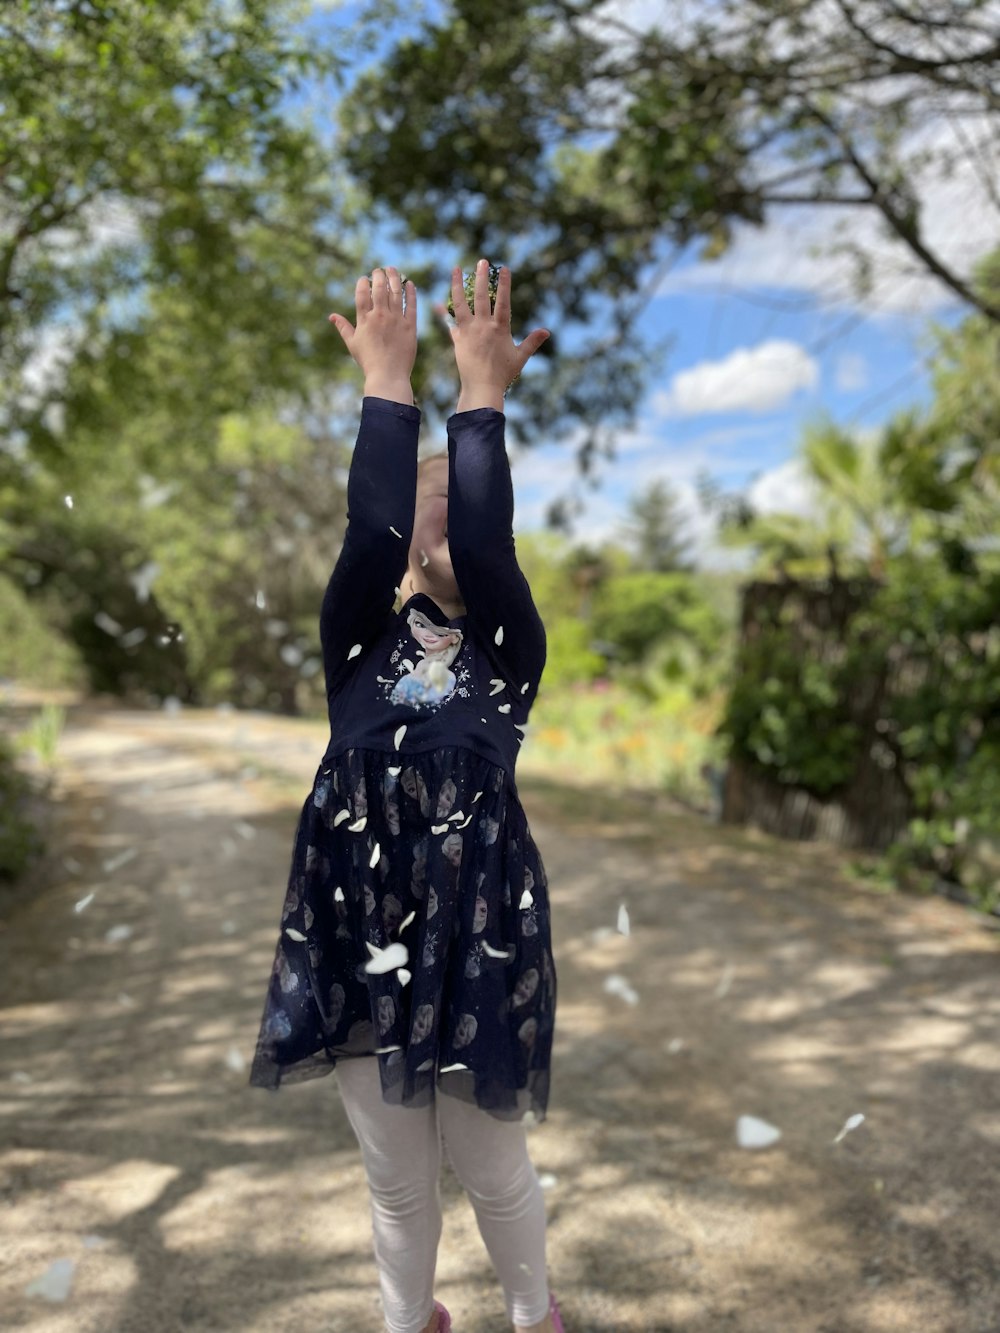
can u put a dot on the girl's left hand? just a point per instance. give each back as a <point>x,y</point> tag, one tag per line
<point>485,353</point>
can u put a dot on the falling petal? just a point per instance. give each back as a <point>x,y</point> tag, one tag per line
<point>116,933</point>
<point>459,814</point>
<point>526,1268</point>
<point>338,894</point>
<point>497,684</point>
<point>476,797</point>
<point>754,1133</point>
<point>244,829</point>
<point>623,923</point>
<point>617,985</point>
<point>354,651</point>
<point>495,953</point>
<point>482,719</point>
<point>235,1059</point>
<point>525,686</point>
<point>403,976</point>
<point>404,924</point>
<point>498,637</point>
<point>526,899</point>
<point>358,825</point>
<point>467,821</point>
<point>393,530</point>
<point>295,934</point>
<point>424,558</point>
<point>343,814</point>
<point>84,902</point>
<point>503,708</point>
<point>377,852</point>
<point>852,1122</point>
<point>384,1050</point>
<point>400,733</point>
<point>446,1069</point>
<point>547,1180</point>
<point>384,960</point>
<point>54,1283</point>
<point>395,772</point>
<point>439,828</point>
<point>115,861</point>
<point>674,1045</point>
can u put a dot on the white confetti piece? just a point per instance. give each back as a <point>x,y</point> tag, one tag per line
<point>295,934</point>
<point>482,719</point>
<point>547,1180</point>
<point>400,733</point>
<point>83,902</point>
<point>403,976</point>
<point>852,1122</point>
<point>459,814</point>
<point>674,1045</point>
<point>465,822</point>
<point>386,680</point>
<point>384,1050</point>
<point>446,1069</point>
<point>503,708</point>
<point>497,684</point>
<point>427,1064</point>
<point>354,651</point>
<point>404,924</point>
<point>498,637</point>
<point>495,953</point>
<point>476,797</point>
<point>341,816</point>
<point>439,828</point>
<point>395,771</point>
<point>235,1059</point>
<point>754,1133</point>
<point>114,862</point>
<point>617,985</point>
<point>384,960</point>
<point>526,900</point>
<point>338,894</point>
<point>408,663</point>
<point>623,922</point>
<point>55,1282</point>
<point>393,530</point>
<point>244,829</point>
<point>20,1076</point>
<point>376,853</point>
<point>526,1268</point>
<point>358,825</point>
<point>525,686</point>
<point>117,933</point>
<point>424,558</point>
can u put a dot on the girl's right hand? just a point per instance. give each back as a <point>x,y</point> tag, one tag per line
<point>384,343</point>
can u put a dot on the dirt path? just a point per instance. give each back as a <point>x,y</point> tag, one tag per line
<point>767,985</point>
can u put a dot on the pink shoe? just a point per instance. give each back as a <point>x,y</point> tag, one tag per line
<point>444,1320</point>
<point>557,1322</point>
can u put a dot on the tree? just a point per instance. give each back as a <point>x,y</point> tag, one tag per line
<point>655,530</point>
<point>140,144</point>
<point>590,155</point>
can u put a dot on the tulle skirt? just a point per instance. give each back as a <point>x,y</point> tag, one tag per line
<point>415,931</point>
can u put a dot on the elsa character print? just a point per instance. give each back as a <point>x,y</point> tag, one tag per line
<point>430,681</point>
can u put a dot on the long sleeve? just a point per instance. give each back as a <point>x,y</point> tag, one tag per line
<point>496,594</point>
<point>381,495</point>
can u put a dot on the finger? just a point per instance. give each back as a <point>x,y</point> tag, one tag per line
<point>530,346</point>
<point>380,290</point>
<point>410,313</point>
<point>462,311</point>
<point>395,289</point>
<point>482,294</point>
<point>345,328</point>
<point>502,307</point>
<point>362,297</point>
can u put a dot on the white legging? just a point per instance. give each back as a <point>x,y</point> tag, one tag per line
<point>401,1151</point>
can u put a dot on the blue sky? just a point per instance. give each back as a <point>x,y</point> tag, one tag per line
<point>763,342</point>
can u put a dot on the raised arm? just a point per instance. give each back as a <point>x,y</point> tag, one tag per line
<point>381,485</point>
<point>480,493</point>
<point>496,594</point>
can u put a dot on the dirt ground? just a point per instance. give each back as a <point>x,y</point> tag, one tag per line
<point>135,1157</point>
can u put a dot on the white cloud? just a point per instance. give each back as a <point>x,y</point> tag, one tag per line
<point>751,379</point>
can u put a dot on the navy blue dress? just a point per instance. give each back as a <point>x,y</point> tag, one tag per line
<point>412,851</point>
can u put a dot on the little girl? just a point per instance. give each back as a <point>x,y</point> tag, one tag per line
<point>415,951</point>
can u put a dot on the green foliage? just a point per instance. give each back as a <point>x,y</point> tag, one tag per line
<point>569,656</point>
<point>20,840</point>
